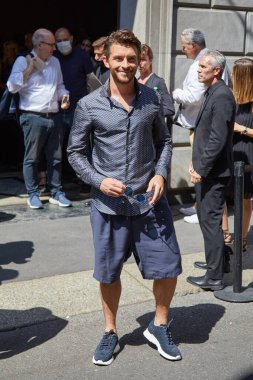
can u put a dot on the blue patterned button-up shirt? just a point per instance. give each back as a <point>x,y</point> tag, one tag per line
<point>129,146</point>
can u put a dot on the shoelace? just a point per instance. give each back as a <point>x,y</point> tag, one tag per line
<point>107,341</point>
<point>168,333</point>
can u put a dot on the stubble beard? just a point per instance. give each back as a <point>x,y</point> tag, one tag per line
<point>127,79</point>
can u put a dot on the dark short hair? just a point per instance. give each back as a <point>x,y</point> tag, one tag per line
<point>146,50</point>
<point>122,37</point>
<point>100,41</point>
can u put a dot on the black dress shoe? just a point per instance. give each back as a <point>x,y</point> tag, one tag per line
<point>200,265</point>
<point>203,265</point>
<point>206,283</point>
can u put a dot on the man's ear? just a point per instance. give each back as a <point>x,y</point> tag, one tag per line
<point>217,70</point>
<point>104,59</point>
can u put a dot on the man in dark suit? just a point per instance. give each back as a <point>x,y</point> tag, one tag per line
<point>211,166</point>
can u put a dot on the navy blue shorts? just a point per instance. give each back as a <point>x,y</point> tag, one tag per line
<point>150,237</point>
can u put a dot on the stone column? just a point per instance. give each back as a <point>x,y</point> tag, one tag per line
<point>151,21</point>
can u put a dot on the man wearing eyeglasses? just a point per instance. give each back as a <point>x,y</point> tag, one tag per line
<point>39,82</point>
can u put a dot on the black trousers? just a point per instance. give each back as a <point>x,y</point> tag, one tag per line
<point>210,196</point>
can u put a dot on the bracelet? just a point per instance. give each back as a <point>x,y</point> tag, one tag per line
<point>244,131</point>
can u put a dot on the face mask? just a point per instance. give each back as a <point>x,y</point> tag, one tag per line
<point>64,47</point>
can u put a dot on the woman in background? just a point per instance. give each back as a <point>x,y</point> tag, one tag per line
<point>242,77</point>
<point>152,80</point>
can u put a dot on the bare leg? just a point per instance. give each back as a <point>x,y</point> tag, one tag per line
<point>225,219</point>
<point>110,295</point>
<point>164,290</point>
<point>247,211</point>
<point>225,226</point>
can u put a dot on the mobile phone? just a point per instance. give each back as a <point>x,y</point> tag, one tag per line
<point>65,102</point>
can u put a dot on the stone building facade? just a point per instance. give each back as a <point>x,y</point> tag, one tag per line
<point>227,26</point>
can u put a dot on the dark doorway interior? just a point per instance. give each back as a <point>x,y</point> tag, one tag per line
<point>93,18</point>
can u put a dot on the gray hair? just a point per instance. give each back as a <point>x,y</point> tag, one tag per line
<point>194,35</point>
<point>218,60</point>
<point>39,35</point>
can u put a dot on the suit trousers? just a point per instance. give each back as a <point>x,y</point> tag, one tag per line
<point>210,196</point>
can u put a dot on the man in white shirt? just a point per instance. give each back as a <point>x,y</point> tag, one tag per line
<point>38,80</point>
<point>190,97</point>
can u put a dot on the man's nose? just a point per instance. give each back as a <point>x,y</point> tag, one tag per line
<point>125,62</point>
<point>98,57</point>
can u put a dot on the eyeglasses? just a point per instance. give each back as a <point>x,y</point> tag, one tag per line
<point>47,43</point>
<point>141,198</point>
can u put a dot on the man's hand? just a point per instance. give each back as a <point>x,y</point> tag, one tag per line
<point>30,68</point>
<point>65,104</point>
<point>195,177</point>
<point>238,128</point>
<point>112,187</point>
<point>156,184</point>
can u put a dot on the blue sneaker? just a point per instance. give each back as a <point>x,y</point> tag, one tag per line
<point>34,201</point>
<point>107,346</point>
<point>160,336</point>
<point>60,200</point>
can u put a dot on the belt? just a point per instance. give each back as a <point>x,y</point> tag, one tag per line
<point>48,115</point>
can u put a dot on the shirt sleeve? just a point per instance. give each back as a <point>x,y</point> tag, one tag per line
<point>168,106</point>
<point>163,145</point>
<point>16,79</point>
<point>192,89</point>
<point>61,90</point>
<point>79,146</point>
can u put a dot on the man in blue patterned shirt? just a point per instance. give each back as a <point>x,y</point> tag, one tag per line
<point>122,124</point>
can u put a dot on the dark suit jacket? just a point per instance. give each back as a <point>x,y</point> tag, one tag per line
<point>158,84</point>
<point>212,154</point>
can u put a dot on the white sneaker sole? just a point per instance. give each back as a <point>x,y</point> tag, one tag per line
<point>33,207</point>
<point>55,202</point>
<point>152,339</point>
<point>100,362</point>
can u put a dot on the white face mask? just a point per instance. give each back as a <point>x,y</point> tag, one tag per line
<point>64,47</point>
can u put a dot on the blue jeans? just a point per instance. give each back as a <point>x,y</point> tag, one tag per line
<point>42,134</point>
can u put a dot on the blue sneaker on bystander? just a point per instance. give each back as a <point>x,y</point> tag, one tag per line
<point>60,199</point>
<point>34,201</point>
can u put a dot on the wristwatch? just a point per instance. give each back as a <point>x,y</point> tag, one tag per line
<point>244,131</point>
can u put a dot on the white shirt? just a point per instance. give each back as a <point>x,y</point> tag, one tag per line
<point>43,89</point>
<point>191,96</point>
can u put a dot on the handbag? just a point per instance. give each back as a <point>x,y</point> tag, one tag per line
<point>176,117</point>
<point>9,103</point>
<point>9,106</point>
